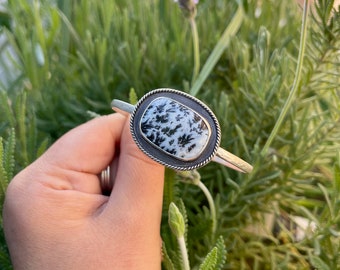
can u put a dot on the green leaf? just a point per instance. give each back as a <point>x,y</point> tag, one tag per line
<point>3,173</point>
<point>337,177</point>
<point>9,160</point>
<point>133,96</point>
<point>166,261</point>
<point>6,109</point>
<point>43,147</point>
<point>241,137</point>
<point>170,193</point>
<point>210,260</point>
<point>221,253</point>
<point>318,263</point>
<point>20,112</point>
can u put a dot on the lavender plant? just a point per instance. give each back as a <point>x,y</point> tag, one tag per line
<point>273,85</point>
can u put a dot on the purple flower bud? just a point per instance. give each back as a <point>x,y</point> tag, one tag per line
<point>188,7</point>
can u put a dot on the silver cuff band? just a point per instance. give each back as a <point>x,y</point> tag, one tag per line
<point>165,120</point>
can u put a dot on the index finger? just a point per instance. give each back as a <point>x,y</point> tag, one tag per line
<point>88,148</point>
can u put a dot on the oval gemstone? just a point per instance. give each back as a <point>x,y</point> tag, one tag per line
<point>174,128</point>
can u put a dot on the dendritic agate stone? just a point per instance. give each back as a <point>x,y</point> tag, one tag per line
<point>174,128</point>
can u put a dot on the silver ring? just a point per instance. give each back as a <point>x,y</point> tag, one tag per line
<point>177,130</point>
<point>106,181</point>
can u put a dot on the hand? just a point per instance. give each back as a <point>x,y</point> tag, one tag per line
<point>55,216</point>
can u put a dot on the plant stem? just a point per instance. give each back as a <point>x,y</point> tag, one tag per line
<point>195,43</point>
<point>215,55</point>
<point>211,204</point>
<point>184,252</point>
<point>295,86</point>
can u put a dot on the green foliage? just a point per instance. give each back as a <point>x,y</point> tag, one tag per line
<point>72,57</point>
<point>216,257</point>
<point>209,262</point>
<point>221,253</point>
<point>167,262</point>
<point>6,172</point>
<point>133,96</point>
<point>20,144</point>
<point>7,162</point>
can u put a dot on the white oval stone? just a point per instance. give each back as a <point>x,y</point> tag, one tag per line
<point>174,128</point>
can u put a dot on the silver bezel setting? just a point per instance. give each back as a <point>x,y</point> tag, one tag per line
<point>161,156</point>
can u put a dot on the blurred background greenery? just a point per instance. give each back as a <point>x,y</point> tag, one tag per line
<point>63,61</point>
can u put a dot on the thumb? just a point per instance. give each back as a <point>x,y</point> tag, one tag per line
<point>139,181</point>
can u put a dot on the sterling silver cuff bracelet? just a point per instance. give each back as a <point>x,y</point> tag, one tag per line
<point>177,130</point>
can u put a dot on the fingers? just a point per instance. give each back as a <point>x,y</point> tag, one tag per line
<point>90,147</point>
<point>75,160</point>
<point>135,203</point>
<point>129,220</point>
<point>139,181</point>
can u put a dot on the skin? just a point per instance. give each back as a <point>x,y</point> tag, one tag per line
<point>55,216</point>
